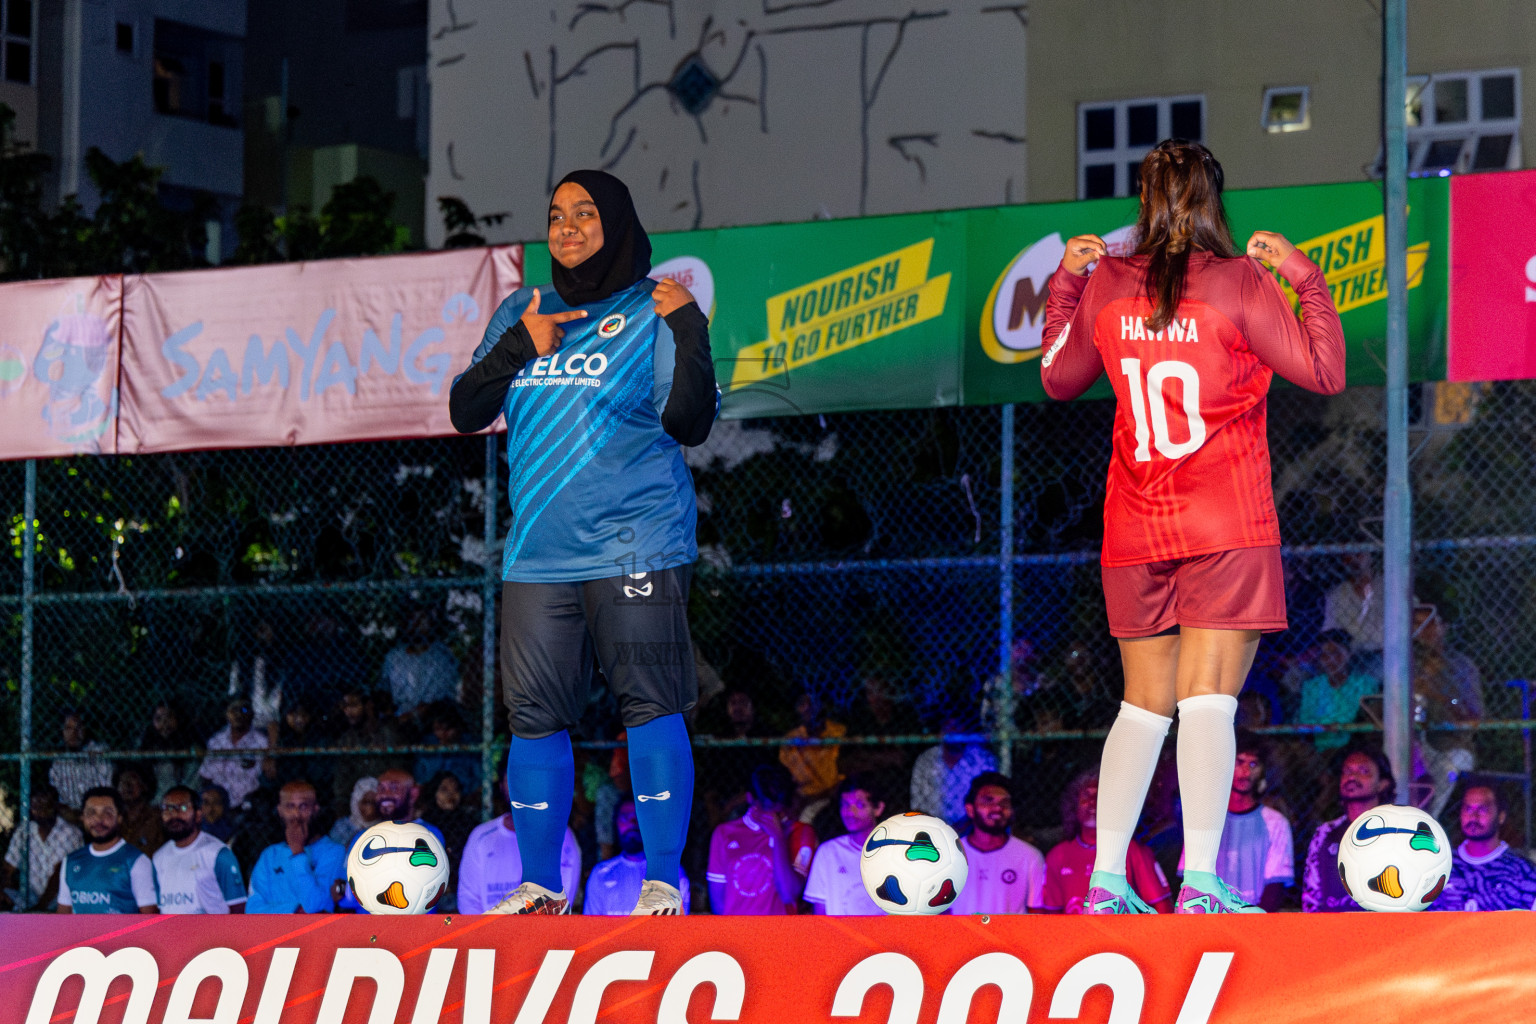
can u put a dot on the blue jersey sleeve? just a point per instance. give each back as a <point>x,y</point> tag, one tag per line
<point>226,870</point>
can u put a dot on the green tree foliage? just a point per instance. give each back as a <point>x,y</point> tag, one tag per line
<point>460,222</point>
<point>355,221</point>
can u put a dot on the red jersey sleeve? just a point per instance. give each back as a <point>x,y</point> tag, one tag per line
<point>1071,362</point>
<point>1309,353</point>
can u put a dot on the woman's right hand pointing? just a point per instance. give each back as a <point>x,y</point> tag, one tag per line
<point>544,328</point>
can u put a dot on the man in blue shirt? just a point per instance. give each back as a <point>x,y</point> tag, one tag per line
<point>1485,873</point>
<point>397,794</point>
<point>106,876</point>
<point>601,380</point>
<point>295,876</point>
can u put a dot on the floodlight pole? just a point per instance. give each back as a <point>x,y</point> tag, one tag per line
<point>1397,513</point>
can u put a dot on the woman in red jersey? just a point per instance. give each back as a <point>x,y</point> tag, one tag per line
<point>1190,332</point>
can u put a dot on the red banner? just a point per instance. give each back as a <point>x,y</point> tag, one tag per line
<point>1449,968</point>
<point>1492,317</point>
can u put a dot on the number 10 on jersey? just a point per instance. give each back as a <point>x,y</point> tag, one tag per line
<point>1147,397</point>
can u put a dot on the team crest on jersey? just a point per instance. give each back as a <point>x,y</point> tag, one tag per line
<point>611,325</point>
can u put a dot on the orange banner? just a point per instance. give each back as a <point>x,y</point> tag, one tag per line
<point>1449,968</point>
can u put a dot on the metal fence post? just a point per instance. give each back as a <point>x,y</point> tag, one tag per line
<point>1397,514</point>
<point>28,594</point>
<point>1003,726</point>
<point>488,693</point>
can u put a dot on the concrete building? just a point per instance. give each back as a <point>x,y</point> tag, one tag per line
<point>163,78</point>
<point>1284,93</point>
<point>335,89</point>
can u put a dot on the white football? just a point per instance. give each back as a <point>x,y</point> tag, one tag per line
<point>1394,859</point>
<point>397,867</point>
<point>912,864</point>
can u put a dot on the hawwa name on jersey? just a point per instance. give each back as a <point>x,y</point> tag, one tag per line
<point>1134,328</point>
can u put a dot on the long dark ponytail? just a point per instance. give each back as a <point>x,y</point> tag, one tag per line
<point>1181,210</point>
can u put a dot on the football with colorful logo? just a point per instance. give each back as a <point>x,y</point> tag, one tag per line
<point>397,867</point>
<point>1394,859</point>
<point>913,864</point>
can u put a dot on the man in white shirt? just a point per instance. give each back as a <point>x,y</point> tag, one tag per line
<point>240,776</point>
<point>835,886</point>
<point>74,776</point>
<point>1256,857</point>
<point>1006,874</point>
<point>51,840</point>
<point>613,887</point>
<point>492,867</point>
<point>941,775</point>
<point>196,873</point>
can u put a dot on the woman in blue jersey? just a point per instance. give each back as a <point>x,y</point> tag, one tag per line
<point>601,382</point>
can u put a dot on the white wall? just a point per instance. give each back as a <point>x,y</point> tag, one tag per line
<point>829,107</point>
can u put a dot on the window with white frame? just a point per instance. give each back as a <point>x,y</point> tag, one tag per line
<point>16,48</point>
<point>1113,137</point>
<point>1462,121</point>
<point>1287,109</point>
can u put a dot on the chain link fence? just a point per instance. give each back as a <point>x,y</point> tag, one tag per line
<point>867,587</point>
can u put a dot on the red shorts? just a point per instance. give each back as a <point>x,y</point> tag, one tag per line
<point>1239,589</point>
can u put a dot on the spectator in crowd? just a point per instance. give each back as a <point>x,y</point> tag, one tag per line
<point>448,731</point>
<point>298,875</point>
<point>758,862</point>
<point>814,769</point>
<point>140,823</point>
<point>1070,862</point>
<point>1006,874</point>
<point>256,676</point>
<point>1365,780</point>
<point>365,811</point>
<point>618,787</point>
<point>492,866</point>
<point>257,826</point>
<point>1485,873</point>
<point>1355,606</point>
<point>1255,857</point>
<point>1332,696</point>
<point>73,776</point>
<point>240,776</point>
<point>942,775</point>
<point>835,885</point>
<point>398,797</point>
<point>364,729</point>
<point>297,730</point>
<point>442,807</point>
<point>420,670</point>
<point>213,805</point>
<point>195,873</point>
<point>724,786</point>
<point>106,876</point>
<point>879,714</point>
<point>51,839</point>
<point>166,732</point>
<point>1447,690</point>
<point>325,664</point>
<point>613,887</point>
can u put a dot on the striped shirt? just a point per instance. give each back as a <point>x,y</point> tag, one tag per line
<point>1190,470</point>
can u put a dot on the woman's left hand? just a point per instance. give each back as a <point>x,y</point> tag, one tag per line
<point>1270,246</point>
<point>670,296</point>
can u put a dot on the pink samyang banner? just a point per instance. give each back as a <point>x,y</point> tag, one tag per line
<point>59,344</point>
<point>304,353</point>
<point>1492,317</point>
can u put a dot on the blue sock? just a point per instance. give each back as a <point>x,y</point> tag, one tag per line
<point>661,769</point>
<point>541,777</point>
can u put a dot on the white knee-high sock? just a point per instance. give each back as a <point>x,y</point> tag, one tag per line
<point>1207,751</point>
<point>1131,751</point>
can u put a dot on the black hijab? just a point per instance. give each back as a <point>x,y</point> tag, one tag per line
<point>625,257</point>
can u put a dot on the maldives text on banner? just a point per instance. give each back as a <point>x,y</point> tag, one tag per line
<point>1450,968</point>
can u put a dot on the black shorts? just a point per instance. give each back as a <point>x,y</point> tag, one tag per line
<point>634,626</point>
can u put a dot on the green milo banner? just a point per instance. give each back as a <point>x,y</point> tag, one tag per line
<point>948,308</point>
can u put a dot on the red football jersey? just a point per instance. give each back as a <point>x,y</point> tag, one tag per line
<point>1190,470</point>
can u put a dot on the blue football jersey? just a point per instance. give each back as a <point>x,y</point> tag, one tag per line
<point>119,881</point>
<point>597,487</point>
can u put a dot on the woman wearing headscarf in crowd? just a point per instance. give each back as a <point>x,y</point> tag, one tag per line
<point>167,732</point>
<point>441,803</point>
<point>1191,331</point>
<point>602,380</point>
<point>365,811</point>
